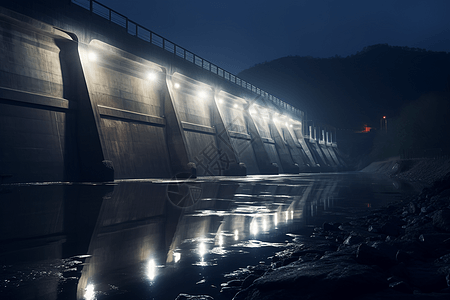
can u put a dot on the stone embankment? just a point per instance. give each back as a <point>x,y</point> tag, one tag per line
<point>401,251</point>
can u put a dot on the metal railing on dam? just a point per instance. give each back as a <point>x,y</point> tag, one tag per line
<point>145,34</point>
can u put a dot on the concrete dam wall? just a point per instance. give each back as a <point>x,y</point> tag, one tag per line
<point>82,99</point>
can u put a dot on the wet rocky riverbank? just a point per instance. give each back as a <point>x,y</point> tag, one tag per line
<point>401,251</point>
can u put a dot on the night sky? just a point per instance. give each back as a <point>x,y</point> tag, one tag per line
<point>236,35</point>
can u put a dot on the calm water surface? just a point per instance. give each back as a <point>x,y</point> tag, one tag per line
<point>155,239</point>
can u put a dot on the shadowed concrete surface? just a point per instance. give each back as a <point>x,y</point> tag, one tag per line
<point>84,98</point>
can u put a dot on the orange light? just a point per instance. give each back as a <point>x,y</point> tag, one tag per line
<point>384,117</point>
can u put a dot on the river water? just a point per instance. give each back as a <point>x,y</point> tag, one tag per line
<point>155,239</point>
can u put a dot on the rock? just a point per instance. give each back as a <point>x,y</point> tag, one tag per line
<point>401,286</point>
<point>328,278</point>
<point>411,208</point>
<point>386,249</point>
<point>371,256</point>
<point>399,270</point>
<point>441,220</point>
<point>445,193</point>
<point>258,269</point>
<point>443,260</point>
<point>310,257</point>
<point>353,240</point>
<point>235,282</point>
<point>374,229</point>
<point>426,277</point>
<point>277,264</point>
<point>409,249</point>
<point>330,227</point>
<point>391,229</point>
<point>249,280</point>
<point>435,243</point>
<point>289,260</point>
<point>192,297</point>
<point>402,256</point>
<point>230,290</point>
<point>442,184</point>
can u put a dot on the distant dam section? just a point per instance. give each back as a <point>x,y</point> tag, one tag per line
<point>88,95</point>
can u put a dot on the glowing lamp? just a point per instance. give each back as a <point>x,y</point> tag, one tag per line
<point>151,76</point>
<point>92,56</point>
<point>177,85</point>
<point>202,94</point>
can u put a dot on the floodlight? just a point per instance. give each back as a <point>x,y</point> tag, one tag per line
<point>92,56</point>
<point>202,94</point>
<point>151,76</point>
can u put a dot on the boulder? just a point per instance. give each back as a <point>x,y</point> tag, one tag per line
<point>330,227</point>
<point>401,286</point>
<point>391,229</point>
<point>441,220</point>
<point>352,240</point>
<point>368,255</point>
<point>328,278</point>
<point>249,280</point>
<point>426,277</point>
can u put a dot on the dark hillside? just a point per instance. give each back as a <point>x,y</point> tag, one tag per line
<point>358,89</point>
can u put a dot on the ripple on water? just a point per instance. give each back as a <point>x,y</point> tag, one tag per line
<point>258,244</point>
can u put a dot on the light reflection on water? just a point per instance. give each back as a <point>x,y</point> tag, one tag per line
<point>134,233</point>
<point>89,292</point>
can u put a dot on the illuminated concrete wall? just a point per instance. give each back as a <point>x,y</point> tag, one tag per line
<point>208,144</point>
<point>129,104</point>
<point>323,149</point>
<point>34,112</point>
<point>89,102</point>
<point>241,129</point>
<point>232,112</point>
